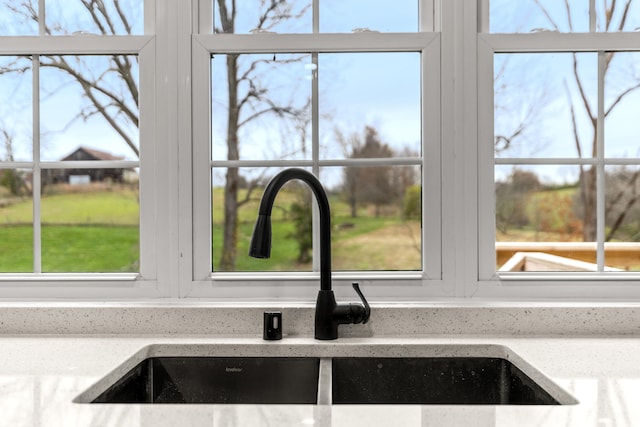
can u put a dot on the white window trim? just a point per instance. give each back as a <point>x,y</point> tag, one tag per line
<point>200,282</point>
<point>154,264</point>
<point>175,134</point>
<point>608,286</point>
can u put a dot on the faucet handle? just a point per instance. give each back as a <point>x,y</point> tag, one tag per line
<point>366,309</point>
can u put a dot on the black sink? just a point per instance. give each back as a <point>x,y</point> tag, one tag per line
<point>444,375</point>
<point>434,380</point>
<point>259,380</point>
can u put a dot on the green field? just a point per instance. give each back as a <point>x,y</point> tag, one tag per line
<point>98,232</point>
<point>81,232</point>
<point>361,243</point>
<point>68,248</point>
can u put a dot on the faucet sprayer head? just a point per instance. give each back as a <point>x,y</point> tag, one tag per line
<point>260,246</point>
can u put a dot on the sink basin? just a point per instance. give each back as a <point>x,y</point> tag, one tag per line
<point>434,380</point>
<point>217,380</point>
<point>326,374</point>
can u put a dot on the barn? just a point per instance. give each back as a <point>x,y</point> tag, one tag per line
<point>85,175</point>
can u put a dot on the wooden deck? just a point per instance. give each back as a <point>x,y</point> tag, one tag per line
<point>624,256</point>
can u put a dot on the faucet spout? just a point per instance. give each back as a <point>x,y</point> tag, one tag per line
<point>261,241</point>
<point>328,313</point>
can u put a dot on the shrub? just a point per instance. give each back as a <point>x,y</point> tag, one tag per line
<point>412,202</point>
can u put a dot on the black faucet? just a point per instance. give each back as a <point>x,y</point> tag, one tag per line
<point>329,314</point>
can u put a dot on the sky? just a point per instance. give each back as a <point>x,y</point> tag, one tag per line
<point>357,90</point>
<point>540,89</point>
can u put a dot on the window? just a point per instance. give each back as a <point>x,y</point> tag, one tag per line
<point>565,78</point>
<point>72,97</point>
<point>317,85</point>
<point>469,149</point>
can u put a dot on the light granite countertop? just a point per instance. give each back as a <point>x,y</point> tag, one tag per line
<point>50,353</point>
<point>41,375</point>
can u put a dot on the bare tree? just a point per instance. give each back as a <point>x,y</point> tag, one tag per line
<point>248,100</point>
<point>112,93</point>
<point>515,118</point>
<point>373,184</point>
<point>9,178</point>
<point>511,199</point>
<point>623,195</point>
<point>616,15</point>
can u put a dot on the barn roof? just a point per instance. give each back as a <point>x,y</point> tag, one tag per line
<point>96,154</point>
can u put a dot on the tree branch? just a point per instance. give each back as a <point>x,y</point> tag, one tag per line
<point>568,9</point>
<point>627,208</point>
<point>583,95</point>
<point>620,97</point>
<point>574,124</point>
<point>546,14</point>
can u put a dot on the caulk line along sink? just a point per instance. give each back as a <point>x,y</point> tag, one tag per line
<point>331,374</point>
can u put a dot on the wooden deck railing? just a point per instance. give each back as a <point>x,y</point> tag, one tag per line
<point>621,255</point>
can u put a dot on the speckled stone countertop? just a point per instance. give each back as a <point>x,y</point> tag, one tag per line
<point>40,376</point>
<point>49,359</point>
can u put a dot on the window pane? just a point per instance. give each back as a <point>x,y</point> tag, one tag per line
<point>18,18</point>
<point>375,220</point>
<point>618,15</point>
<point>16,221</point>
<point>376,217</point>
<point>539,109</point>
<point>102,115</point>
<point>256,16</point>
<point>289,220</point>
<point>108,17</point>
<point>272,96</point>
<point>622,217</point>
<point>524,16</point>
<point>622,103</point>
<point>16,110</point>
<point>528,199</point>
<point>64,17</point>
<point>541,219</point>
<point>90,220</point>
<point>338,16</point>
<point>370,91</point>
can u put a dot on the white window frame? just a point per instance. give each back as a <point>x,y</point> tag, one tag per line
<point>574,286</point>
<point>153,276</point>
<point>458,164</point>
<point>201,283</point>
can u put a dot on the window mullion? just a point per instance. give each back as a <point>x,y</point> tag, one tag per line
<point>42,20</point>
<point>426,15</point>
<point>592,16</point>
<point>486,162</point>
<point>196,262</point>
<point>483,16</point>
<point>204,13</point>
<point>36,186</point>
<point>316,16</point>
<point>37,181</point>
<point>326,42</point>
<point>315,150</point>
<point>562,42</point>
<point>600,174</point>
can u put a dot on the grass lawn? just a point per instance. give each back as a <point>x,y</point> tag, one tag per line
<point>71,249</point>
<point>98,232</point>
<point>368,243</point>
<point>81,232</point>
<point>106,208</point>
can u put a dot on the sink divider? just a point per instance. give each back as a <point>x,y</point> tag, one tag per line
<point>324,382</point>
